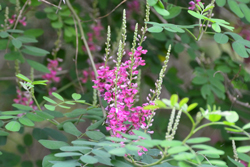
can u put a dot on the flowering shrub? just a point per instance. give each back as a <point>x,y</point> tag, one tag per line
<point>131,118</point>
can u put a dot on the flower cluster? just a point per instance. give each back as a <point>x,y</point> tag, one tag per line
<point>96,34</point>
<point>22,21</point>
<point>192,3</point>
<point>119,91</point>
<point>54,68</point>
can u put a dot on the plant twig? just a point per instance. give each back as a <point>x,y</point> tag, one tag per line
<point>87,48</point>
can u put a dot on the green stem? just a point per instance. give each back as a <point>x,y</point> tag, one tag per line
<point>190,33</point>
<point>193,127</point>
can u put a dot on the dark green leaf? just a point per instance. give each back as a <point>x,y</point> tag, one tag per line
<point>50,144</point>
<point>36,51</point>
<point>38,66</point>
<point>28,140</point>
<point>70,128</point>
<point>95,135</point>
<point>240,49</point>
<point>26,121</point>
<point>221,38</point>
<point>16,43</point>
<point>233,5</point>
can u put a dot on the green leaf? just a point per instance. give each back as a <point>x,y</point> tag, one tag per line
<point>33,32</point>
<point>14,55</point>
<point>244,157</point>
<point>57,24</point>
<point>238,164</point>
<point>28,139</point>
<point>13,126</point>
<point>211,152</point>
<point>120,163</point>
<point>142,134</point>
<point>152,2</point>
<point>27,39</point>
<point>49,100</point>
<point>174,99</point>
<point>75,113</point>
<point>50,144</point>
<point>15,31</point>
<point>88,159</point>
<point>160,104</point>
<point>240,49</point>
<point>38,66</point>
<point>247,126</point>
<point>116,139</point>
<point>174,11</point>
<point>198,140</point>
<point>55,134</point>
<point>197,15</point>
<point>68,154</point>
<point>57,96</point>
<point>118,151</point>
<point>245,10</point>
<point>26,121</point>
<point>221,38</point>
<point>177,149</point>
<point>183,101</point>
<point>96,125</point>
<point>3,133</point>
<point>216,27</point>
<point>76,96</point>
<point>70,128</point>
<point>4,34</point>
<point>101,153</point>
<point>160,10</point>
<point>34,117</point>
<point>38,134</point>
<point>239,138</point>
<point>171,143</point>
<point>243,149</point>
<point>12,112</point>
<point>192,106</point>
<point>233,5</point>
<point>95,135</point>
<point>178,48</point>
<point>205,91</point>
<point>184,156</point>
<point>74,148</point>
<point>221,3</point>
<point>213,117</point>
<point>52,16</point>
<point>200,80</point>
<point>232,116</point>
<point>83,142</point>
<point>155,29</point>
<point>44,115</point>
<point>203,146</point>
<point>22,107</point>
<point>36,51</point>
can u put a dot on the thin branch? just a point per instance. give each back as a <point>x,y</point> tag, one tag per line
<point>58,7</point>
<point>76,56</point>
<point>106,14</point>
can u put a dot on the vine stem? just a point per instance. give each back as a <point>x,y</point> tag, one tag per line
<point>87,48</point>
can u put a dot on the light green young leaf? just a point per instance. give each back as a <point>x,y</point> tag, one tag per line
<point>160,10</point>
<point>216,27</point>
<point>174,99</point>
<point>192,106</point>
<point>198,140</point>
<point>13,126</point>
<point>50,107</point>
<point>57,96</point>
<point>49,100</point>
<point>243,149</point>
<point>155,29</point>
<point>118,151</point>
<point>26,121</point>
<point>221,3</point>
<point>23,78</point>
<point>232,116</point>
<point>195,14</point>
<point>76,96</point>
<point>183,101</point>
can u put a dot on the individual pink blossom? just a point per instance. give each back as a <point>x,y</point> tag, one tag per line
<point>22,21</point>
<point>89,73</point>
<point>192,3</point>
<point>122,116</point>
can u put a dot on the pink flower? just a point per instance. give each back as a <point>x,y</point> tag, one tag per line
<point>244,163</point>
<point>22,21</point>
<point>122,116</point>
<point>192,3</point>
